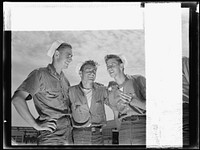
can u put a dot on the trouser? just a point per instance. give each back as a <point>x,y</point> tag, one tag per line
<point>185,124</point>
<point>133,131</point>
<point>88,136</point>
<point>61,136</point>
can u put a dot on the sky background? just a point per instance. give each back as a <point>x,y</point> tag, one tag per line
<point>29,50</point>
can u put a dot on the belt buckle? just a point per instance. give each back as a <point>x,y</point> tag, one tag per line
<point>135,118</point>
<point>93,129</point>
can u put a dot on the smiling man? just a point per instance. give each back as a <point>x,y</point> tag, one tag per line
<point>48,87</point>
<point>127,97</point>
<point>87,104</point>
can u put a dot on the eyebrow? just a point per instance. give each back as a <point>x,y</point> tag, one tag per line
<point>90,69</point>
<point>112,63</point>
<point>69,54</point>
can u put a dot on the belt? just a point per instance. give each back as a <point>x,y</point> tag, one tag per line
<point>134,118</point>
<point>65,116</point>
<point>91,128</point>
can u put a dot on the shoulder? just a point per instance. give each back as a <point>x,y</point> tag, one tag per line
<point>38,71</point>
<point>136,77</point>
<point>42,70</point>
<point>35,72</point>
<point>112,84</point>
<point>99,85</point>
<point>139,79</point>
<point>74,87</point>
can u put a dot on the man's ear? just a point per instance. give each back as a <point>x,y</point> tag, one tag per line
<point>80,73</point>
<point>122,66</point>
<point>57,53</point>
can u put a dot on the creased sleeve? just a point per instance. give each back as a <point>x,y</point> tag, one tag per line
<point>142,84</point>
<point>32,83</point>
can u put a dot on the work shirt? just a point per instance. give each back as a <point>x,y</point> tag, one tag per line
<point>186,79</point>
<point>88,94</point>
<point>82,114</point>
<point>133,85</point>
<point>49,92</point>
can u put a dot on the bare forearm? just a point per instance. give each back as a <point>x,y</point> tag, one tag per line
<point>138,103</point>
<point>23,110</point>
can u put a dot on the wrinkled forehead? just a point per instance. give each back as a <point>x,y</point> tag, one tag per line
<point>67,50</point>
<point>89,67</point>
<point>112,61</point>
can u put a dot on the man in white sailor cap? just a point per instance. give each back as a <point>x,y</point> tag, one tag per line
<point>127,96</point>
<point>48,88</point>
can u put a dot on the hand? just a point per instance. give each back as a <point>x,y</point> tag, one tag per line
<point>125,97</point>
<point>113,97</point>
<point>49,125</point>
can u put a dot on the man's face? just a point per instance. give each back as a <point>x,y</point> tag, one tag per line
<point>88,73</point>
<point>65,57</point>
<point>113,67</point>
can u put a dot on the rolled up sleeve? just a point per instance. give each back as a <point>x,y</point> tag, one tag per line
<point>31,84</point>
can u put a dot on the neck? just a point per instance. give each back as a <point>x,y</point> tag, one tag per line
<point>87,85</point>
<point>120,78</point>
<point>57,67</point>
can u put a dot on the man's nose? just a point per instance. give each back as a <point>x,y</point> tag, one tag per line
<point>69,59</point>
<point>92,73</point>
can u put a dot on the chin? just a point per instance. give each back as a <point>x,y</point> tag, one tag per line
<point>91,80</point>
<point>112,75</point>
<point>65,67</point>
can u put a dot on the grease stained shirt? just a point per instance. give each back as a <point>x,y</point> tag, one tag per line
<point>82,114</point>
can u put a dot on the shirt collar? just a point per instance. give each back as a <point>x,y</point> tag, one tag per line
<point>81,86</point>
<point>52,71</point>
<point>126,79</point>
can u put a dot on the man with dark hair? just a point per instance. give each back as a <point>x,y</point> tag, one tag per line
<point>87,104</point>
<point>48,87</point>
<point>127,97</point>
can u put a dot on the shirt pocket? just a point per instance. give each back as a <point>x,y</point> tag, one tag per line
<point>100,107</point>
<point>77,105</point>
<point>80,107</point>
<point>80,112</point>
<point>54,97</point>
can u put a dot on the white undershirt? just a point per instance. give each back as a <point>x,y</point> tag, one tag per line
<point>121,89</point>
<point>88,94</point>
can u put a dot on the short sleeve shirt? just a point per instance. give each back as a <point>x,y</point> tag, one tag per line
<point>82,114</point>
<point>133,85</point>
<point>49,91</point>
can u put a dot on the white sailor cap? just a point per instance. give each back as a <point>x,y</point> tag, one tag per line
<point>124,60</point>
<point>120,56</point>
<point>53,47</point>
